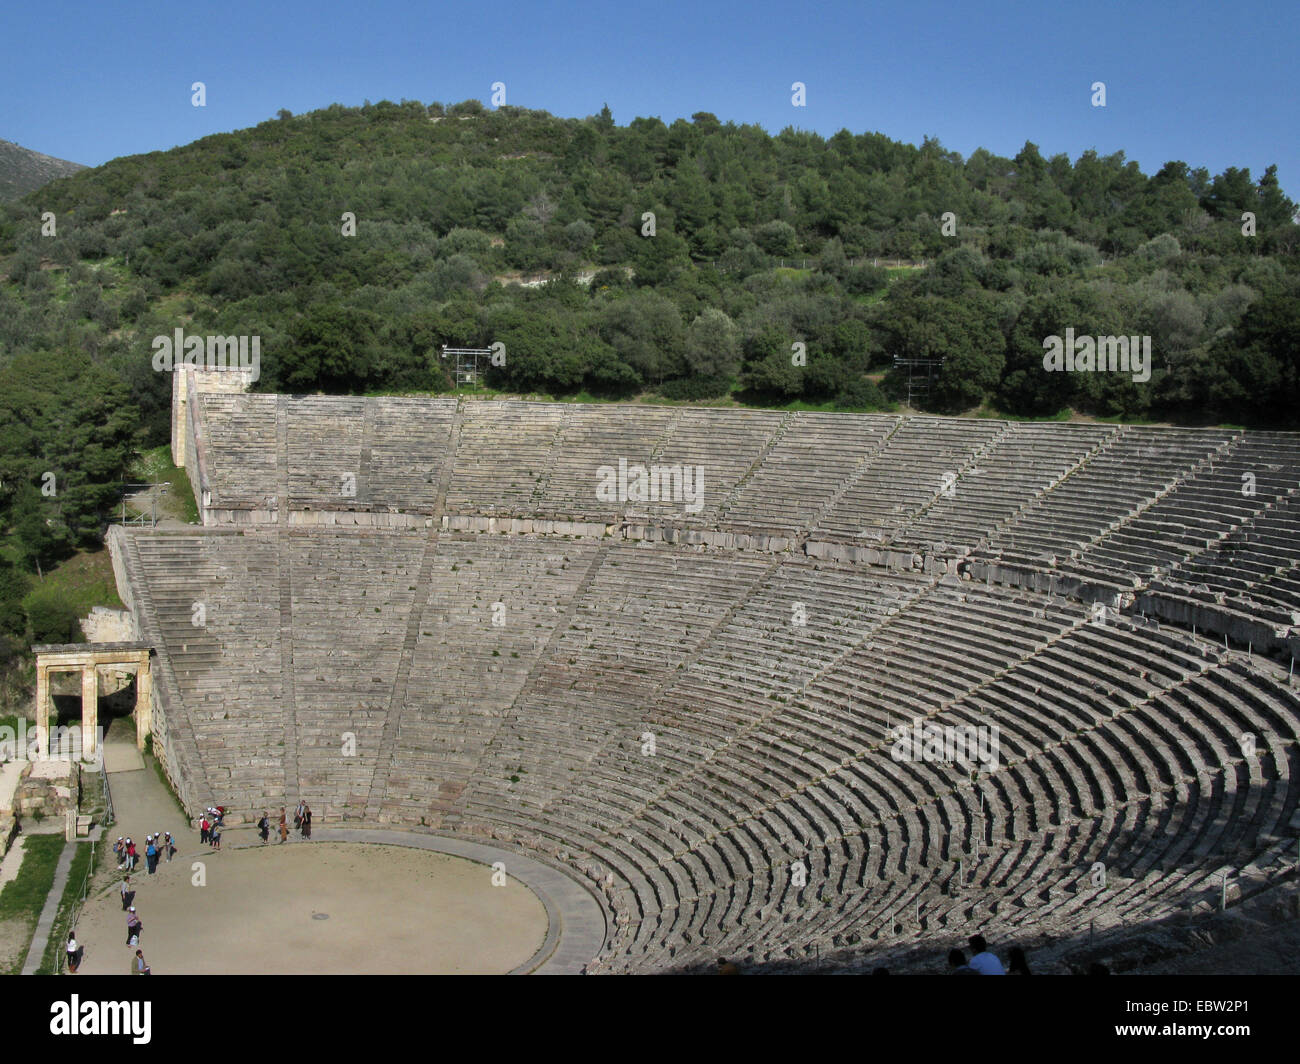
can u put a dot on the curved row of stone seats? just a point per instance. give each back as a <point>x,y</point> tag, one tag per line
<point>1109,831</point>
<point>216,608</point>
<point>944,893</point>
<point>801,620</point>
<point>502,455</point>
<point>592,437</point>
<point>1257,563</point>
<point>324,436</point>
<point>1096,753</point>
<point>723,445</point>
<point>720,697</point>
<point>1104,727</point>
<point>797,921</point>
<point>810,819</point>
<point>1097,846</point>
<point>949,641</point>
<point>935,892</point>
<point>813,458</point>
<point>487,615</point>
<point>1205,823</point>
<point>241,454</point>
<point>1256,472</point>
<point>911,470</point>
<point>1114,484</point>
<point>854,707</point>
<point>773,915</point>
<point>853,475</point>
<point>1026,462</point>
<point>645,611</point>
<point>1260,782</point>
<point>352,594</point>
<point>406,444</point>
<point>1051,701</point>
<point>751,666</point>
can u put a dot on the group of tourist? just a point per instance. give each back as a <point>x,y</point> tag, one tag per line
<point>301,823</point>
<point>157,846</point>
<point>161,846</point>
<point>211,825</point>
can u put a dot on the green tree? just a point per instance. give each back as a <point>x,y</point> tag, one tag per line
<point>52,618</point>
<point>712,347</point>
<point>332,350</point>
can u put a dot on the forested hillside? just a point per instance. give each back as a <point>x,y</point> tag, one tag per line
<point>759,243</point>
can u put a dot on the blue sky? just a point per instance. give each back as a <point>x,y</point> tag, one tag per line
<point>1212,84</point>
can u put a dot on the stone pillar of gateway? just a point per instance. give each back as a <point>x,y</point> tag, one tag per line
<point>87,658</point>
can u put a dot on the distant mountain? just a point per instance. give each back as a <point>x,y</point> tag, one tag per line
<point>23,171</point>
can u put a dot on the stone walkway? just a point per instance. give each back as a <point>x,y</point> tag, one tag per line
<point>12,861</point>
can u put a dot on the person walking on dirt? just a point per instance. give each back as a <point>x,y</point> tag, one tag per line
<point>133,928</point>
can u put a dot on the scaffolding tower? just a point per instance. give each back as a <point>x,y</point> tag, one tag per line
<point>467,362</point>
<point>920,375</point>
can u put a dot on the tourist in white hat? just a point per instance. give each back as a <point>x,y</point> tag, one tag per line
<point>133,927</point>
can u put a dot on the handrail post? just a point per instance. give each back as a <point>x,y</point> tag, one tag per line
<point>109,818</point>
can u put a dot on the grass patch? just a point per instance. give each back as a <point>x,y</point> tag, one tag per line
<point>23,898</point>
<point>829,406</point>
<point>993,414</point>
<point>84,580</point>
<point>155,467</point>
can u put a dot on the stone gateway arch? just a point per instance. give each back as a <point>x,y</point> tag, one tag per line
<point>87,659</point>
